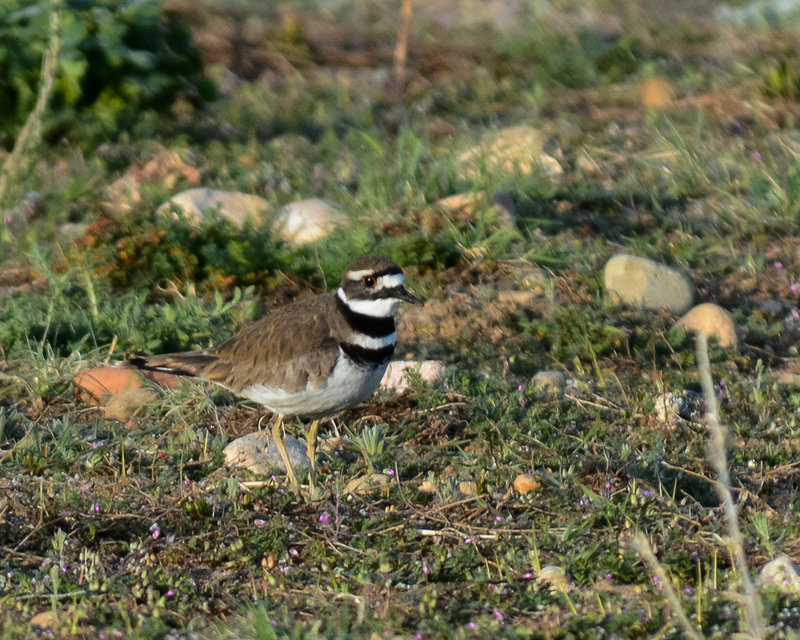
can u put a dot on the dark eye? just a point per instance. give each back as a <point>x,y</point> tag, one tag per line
<point>368,281</point>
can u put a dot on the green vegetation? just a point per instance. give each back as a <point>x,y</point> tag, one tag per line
<point>134,528</point>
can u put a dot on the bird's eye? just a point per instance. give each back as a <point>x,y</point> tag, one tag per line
<point>368,281</point>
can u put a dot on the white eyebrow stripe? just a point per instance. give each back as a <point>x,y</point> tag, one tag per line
<point>384,282</point>
<point>390,280</point>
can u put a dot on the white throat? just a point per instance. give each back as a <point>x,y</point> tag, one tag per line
<point>379,308</point>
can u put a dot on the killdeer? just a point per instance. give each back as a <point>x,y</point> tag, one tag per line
<point>312,358</point>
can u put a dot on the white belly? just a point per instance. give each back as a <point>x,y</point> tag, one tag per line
<point>349,384</point>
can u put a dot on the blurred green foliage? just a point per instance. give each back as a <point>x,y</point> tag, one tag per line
<point>117,59</point>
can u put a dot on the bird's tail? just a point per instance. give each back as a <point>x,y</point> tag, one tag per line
<point>189,363</point>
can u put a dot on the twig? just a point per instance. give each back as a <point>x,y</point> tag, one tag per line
<point>401,48</point>
<point>31,129</point>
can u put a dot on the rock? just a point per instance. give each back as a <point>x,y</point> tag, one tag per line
<point>165,168</point>
<point>550,381</point>
<point>657,93</point>
<point>782,573</point>
<point>515,149</point>
<point>396,376</point>
<point>712,320</point>
<point>524,483</point>
<point>232,205</point>
<point>46,620</point>
<point>468,487</point>
<point>126,403</point>
<point>553,577</point>
<point>369,483</point>
<point>307,221</point>
<point>258,453</point>
<point>464,208</point>
<point>671,407</point>
<point>100,383</point>
<point>789,378</point>
<point>644,283</point>
<point>69,231</point>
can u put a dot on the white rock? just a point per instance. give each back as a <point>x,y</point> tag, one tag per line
<point>396,378</point>
<point>307,221</point>
<point>258,453</point>
<point>782,573</point>
<point>233,205</point>
<point>554,578</point>
<point>644,283</point>
<point>515,149</point>
<point>550,381</point>
<point>712,320</point>
<point>370,483</point>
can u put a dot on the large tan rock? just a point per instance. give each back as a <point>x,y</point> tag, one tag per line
<point>237,207</point>
<point>515,149</point>
<point>647,284</point>
<point>306,221</point>
<point>396,378</point>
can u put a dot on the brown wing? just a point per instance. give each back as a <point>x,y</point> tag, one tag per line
<point>288,348</point>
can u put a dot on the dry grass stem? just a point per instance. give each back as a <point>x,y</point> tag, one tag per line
<point>643,548</point>
<point>31,130</point>
<point>717,455</point>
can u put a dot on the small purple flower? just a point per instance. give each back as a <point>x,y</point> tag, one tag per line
<point>778,264</point>
<point>8,220</point>
<point>498,518</point>
<point>527,576</point>
<point>155,531</point>
<point>655,579</point>
<point>471,625</point>
<point>425,569</point>
<point>186,482</point>
<point>498,615</point>
<point>793,288</point>
<point>418,636</point>
<point>468,541</point>
<point>324,517</point>
<point>294,552</point>
<point>519,388</point>
<point>260,522</point>
<point>389,472</point>
<point>170,593</point>
<point>756,156</point>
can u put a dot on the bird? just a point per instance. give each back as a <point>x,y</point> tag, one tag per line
<point>311,358</point>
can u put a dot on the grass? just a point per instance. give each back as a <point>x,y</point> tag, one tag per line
<point>135,529</point>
